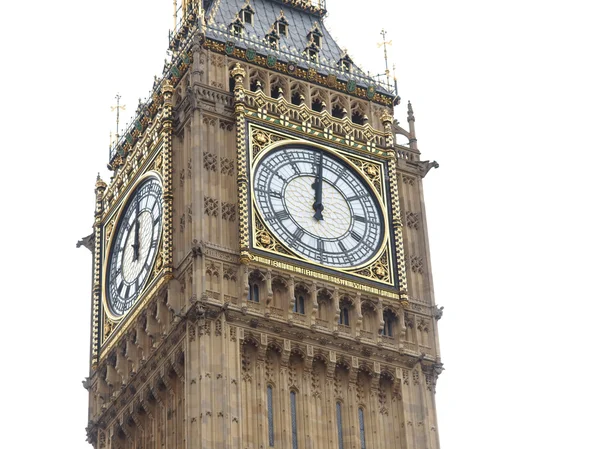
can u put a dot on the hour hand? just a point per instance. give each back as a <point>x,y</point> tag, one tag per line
<point>136,241</point>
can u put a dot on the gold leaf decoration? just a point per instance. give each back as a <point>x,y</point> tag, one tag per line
<point>371,171</point>
<point>265,240</point>
<point>262,139</point>
<point>378,270</point>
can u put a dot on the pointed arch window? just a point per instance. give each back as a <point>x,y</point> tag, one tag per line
<point>315,36</point>
<point>299,304</point>
<point>345,63</point>
<point>253,292</point>
<point>294,423</point>
<point>270,416</point>
<point>361,428</point>
<point>247,14</point>
<point>237,27</point>
<point>340,430</point>
<point>281,25</point>
<point>388,324</point>
<point>344,315</point>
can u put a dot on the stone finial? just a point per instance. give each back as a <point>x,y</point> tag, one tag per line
<point>411,117</point>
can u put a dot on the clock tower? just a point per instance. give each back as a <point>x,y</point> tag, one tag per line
<point>261,273</point>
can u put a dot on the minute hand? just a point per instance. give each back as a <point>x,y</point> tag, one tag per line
<point>318,186</point>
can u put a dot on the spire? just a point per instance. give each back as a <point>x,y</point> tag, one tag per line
<point>412,141</point>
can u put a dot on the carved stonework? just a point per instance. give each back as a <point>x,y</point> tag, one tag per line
<point>210,161</point>
<point>416,264</point>
<point>211,206</point>
<point>228,211</point>
<point>227,166</point>
<point>413,220</point>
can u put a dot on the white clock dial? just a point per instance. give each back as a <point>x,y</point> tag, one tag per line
<point>135,246</point>
<point>291,184</point>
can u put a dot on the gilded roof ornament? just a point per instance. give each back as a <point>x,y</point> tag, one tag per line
<point>100,184</point>
<point>238,71</point>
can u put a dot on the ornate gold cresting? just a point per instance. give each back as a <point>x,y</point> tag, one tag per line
<point>238,74</point>
<point>100,189</point>
<point>164,165</point>
<point>387,120</point>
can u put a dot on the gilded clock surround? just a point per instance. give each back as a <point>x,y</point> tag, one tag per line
<point>260,130</point>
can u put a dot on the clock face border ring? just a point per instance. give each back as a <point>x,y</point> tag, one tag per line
<point>107,250</point>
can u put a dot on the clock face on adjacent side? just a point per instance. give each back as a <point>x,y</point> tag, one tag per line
<point>291,184</point>
<point>134,246</point>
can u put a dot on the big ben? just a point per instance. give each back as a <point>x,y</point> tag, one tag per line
<point>261,272</point>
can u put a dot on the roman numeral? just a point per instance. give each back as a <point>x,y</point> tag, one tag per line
<point>282,215</point>
<point>275,194</point>
<point>359,218</point>
<point>295,168</point>
<point>342,247</point>
<point>356,197</point>
<point>298,234</point>
<point>119,288</point>
<point>356,236</point>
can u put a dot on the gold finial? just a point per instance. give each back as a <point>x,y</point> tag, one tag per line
<point>100,184</point>
<point>167,87</point>
<point>118,108</point>
<point>385,44</point>
<point>238,71</point>
<point>386,117</point>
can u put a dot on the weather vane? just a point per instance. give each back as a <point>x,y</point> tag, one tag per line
<point>385,44</point>
<point>118,108</point>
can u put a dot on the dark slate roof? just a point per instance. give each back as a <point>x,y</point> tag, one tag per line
<point>221,13</point>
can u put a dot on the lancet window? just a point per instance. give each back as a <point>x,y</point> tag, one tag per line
<point>294,423</point>
<point>270,416</point>
<point>340,430</point>
<point>361,428</point>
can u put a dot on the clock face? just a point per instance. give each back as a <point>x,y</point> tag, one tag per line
<point>135,246</point>
<point>318,206</point>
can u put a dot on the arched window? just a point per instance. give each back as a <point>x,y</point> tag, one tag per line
<point>340,432</point>
<point>317,105</point>
<point>270,415</point>
<point>344,316</point>
<point>253,292</point>
<point>294,424</point>
<point>297,98</point>
<point>361,428</point>
<point>299,304</point>
<point>388,324</point>
<point>358,117</point>
<point>337,111</point>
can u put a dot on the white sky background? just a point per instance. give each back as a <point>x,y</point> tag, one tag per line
<point>506,97</point>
